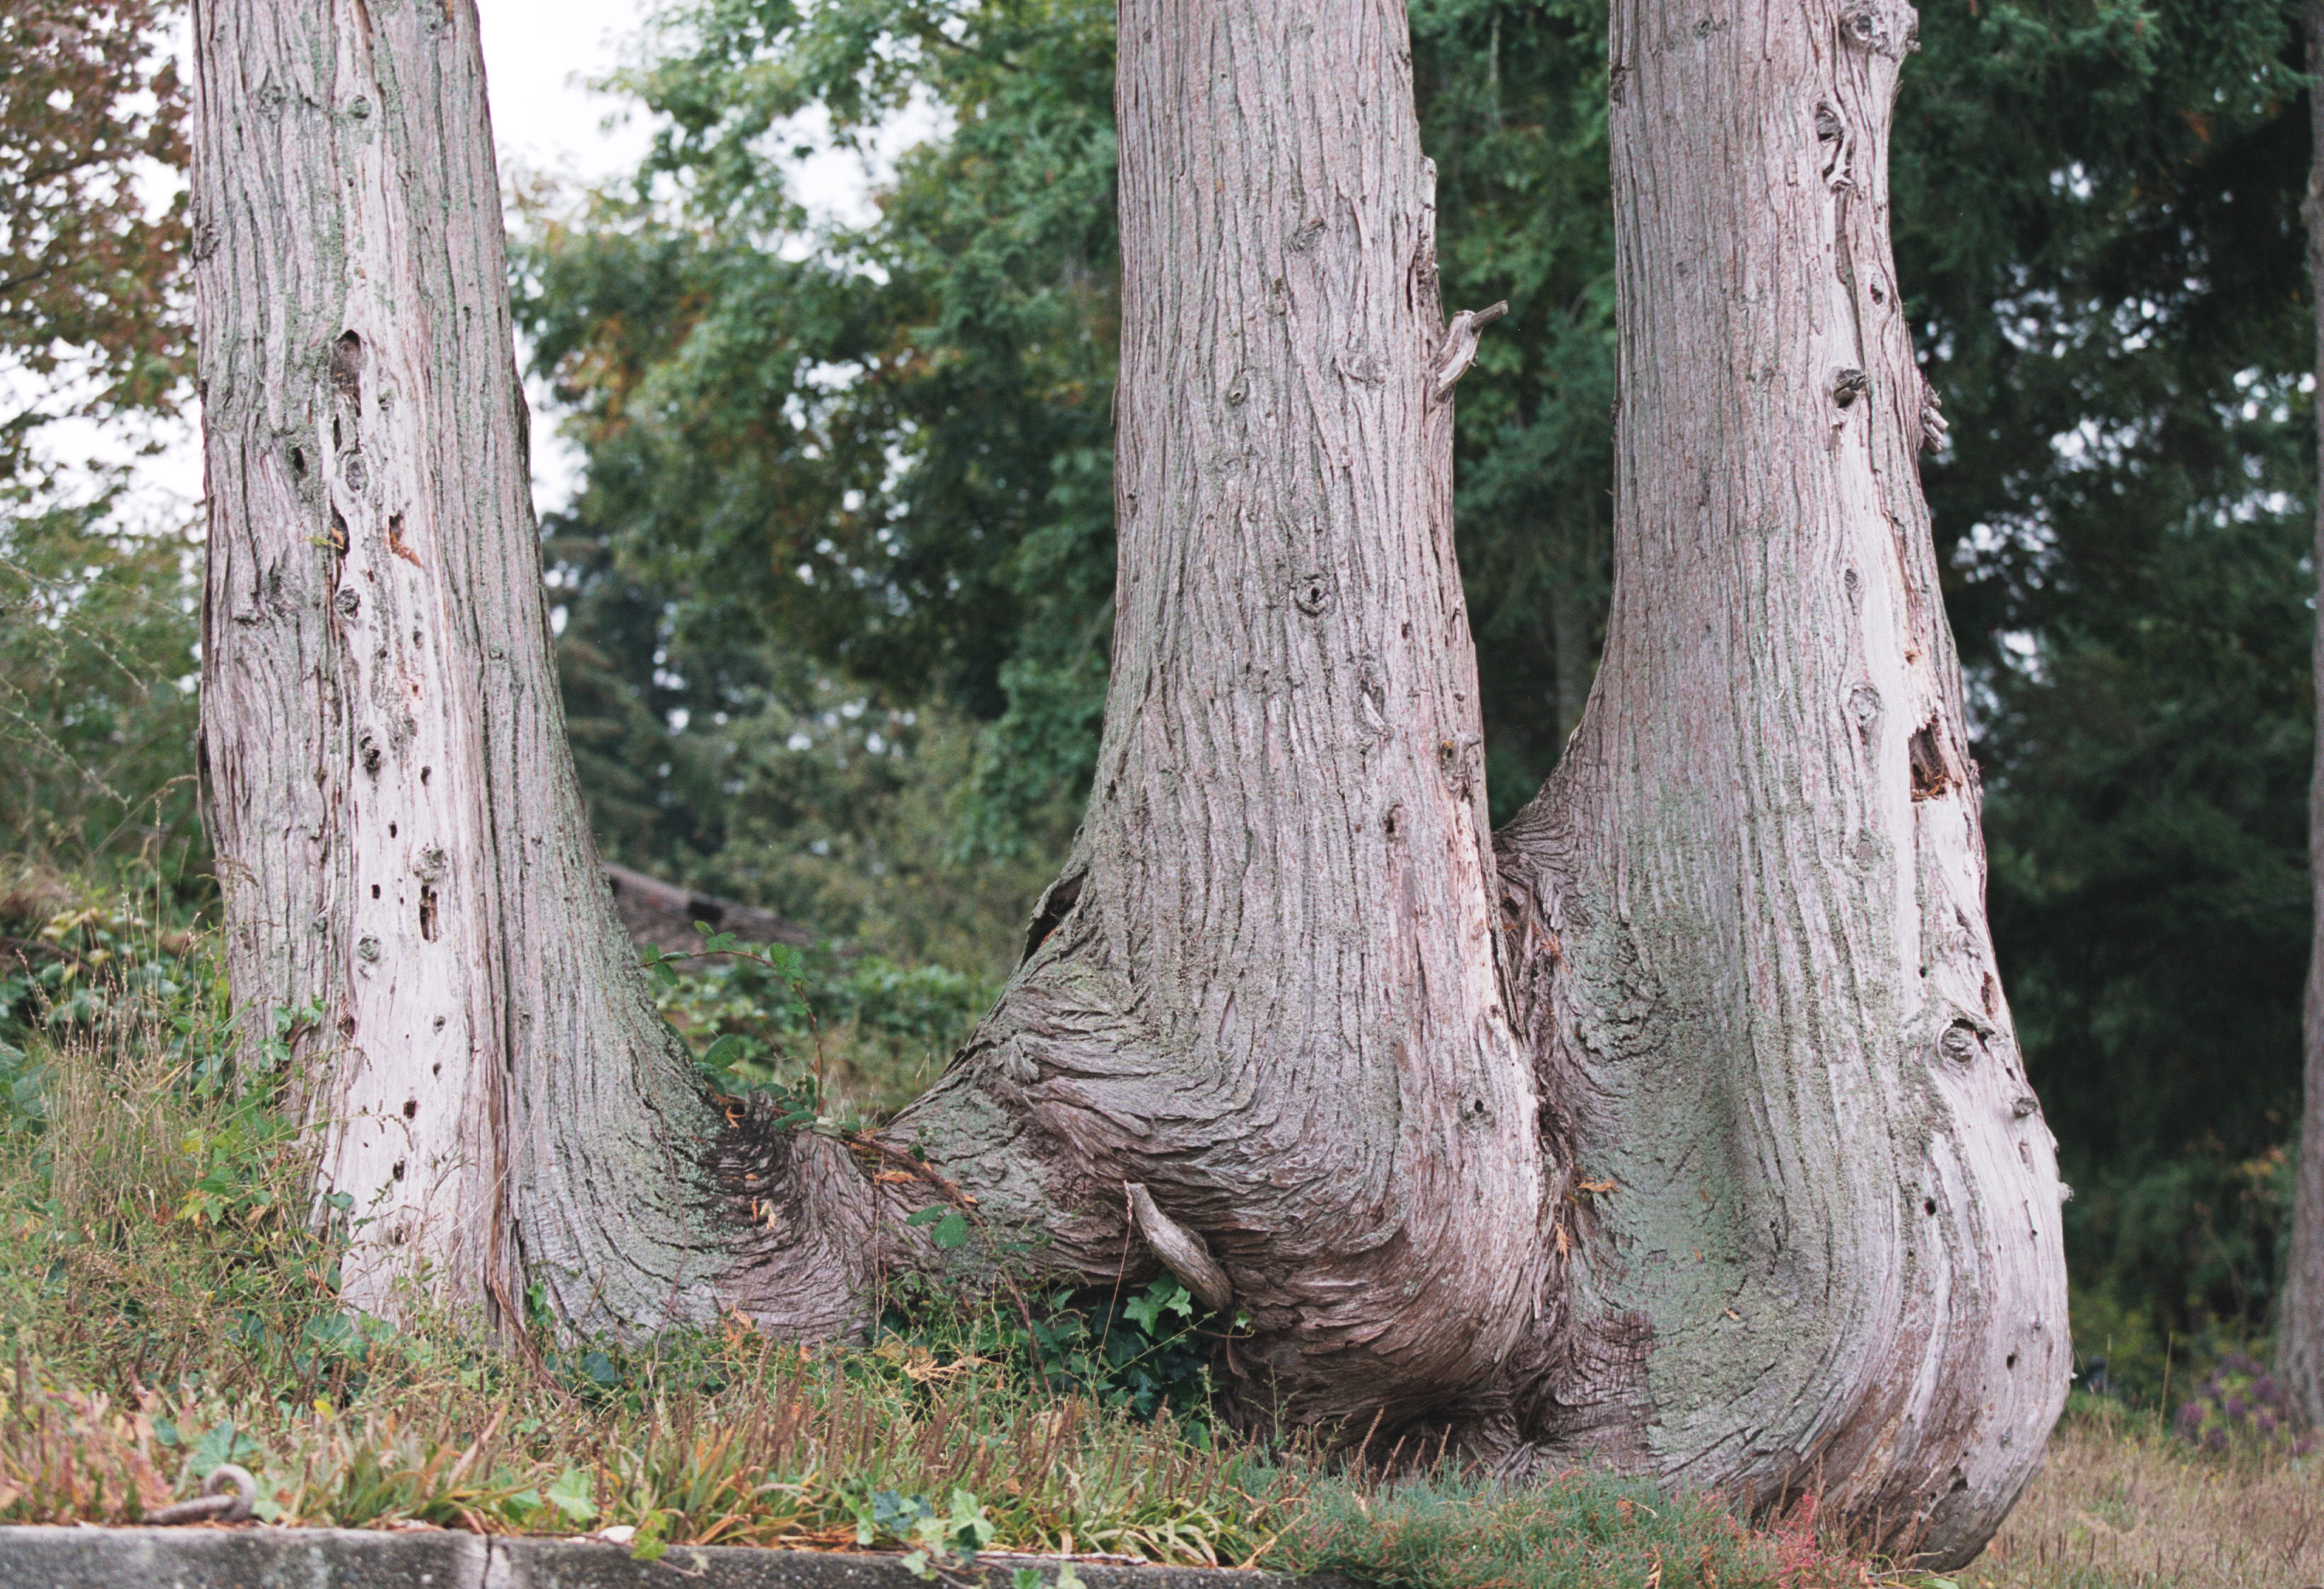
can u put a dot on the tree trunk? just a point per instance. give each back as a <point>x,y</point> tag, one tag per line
<point>1751,948</point>
<point>2300,1321</point>
<point>1573,624</point>
<point>1685,1130</point>
<point>1266,988</point>
<point>411,894</point>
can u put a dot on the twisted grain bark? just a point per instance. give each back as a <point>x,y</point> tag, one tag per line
<point>1752,947</point>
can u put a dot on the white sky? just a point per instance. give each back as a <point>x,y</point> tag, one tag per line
<point>540,55</point>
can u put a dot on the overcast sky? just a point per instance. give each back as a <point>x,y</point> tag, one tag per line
<point>538,54</point>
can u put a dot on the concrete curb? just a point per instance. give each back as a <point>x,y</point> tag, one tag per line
<point>352,1558</point>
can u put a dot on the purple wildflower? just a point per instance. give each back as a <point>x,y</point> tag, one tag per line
<point>2237,1406</point>
<point>2190,1419</point>
<point>2217,1440</point>
<point>2267,1392</point>
<point>2266,1422</point>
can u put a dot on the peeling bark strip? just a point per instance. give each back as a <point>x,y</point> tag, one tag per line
<point>1753,950</point>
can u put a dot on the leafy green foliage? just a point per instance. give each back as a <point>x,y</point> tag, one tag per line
<point>827,1022</point>
<point>96,626</point>
<point>895,455</point>
<point>1513,109</point>
<point>787,785</point>
<point>2098,233</point>
<point>97,707</point>
<point>88,312</point>
<point>1147,1352</point>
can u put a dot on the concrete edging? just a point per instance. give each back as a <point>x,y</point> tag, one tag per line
<point>357,1559</point>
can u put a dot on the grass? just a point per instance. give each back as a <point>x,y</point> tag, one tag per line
<point>163,1309</point>
<point>2125,1503</point>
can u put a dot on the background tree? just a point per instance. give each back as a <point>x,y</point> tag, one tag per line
<point>87,273</point>
<point>2099,237</point>
<point>2300,1338</point>
<point>96,626</point>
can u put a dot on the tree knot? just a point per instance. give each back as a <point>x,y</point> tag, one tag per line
<point>1883,27</point>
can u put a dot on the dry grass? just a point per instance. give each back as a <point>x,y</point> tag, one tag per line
<point>2123,1503</point>
<point>812,1450</point>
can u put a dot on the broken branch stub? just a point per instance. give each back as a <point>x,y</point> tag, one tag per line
<point>1459,350</point>
<point>1180,1250</point>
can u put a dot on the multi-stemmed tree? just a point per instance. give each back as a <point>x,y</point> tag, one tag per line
<point>1681,1123</point>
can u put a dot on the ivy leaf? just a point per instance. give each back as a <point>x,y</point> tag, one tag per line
<point>570,1495</point>
<point>929,1215</point>
<point>950,1231</point>
<point>1164,1296</point>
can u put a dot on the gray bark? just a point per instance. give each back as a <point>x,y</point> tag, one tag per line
<point>402,844</point>
<point>1265,990</point>
<point>1751,946</point>
<point>1684,1130</point>
<point>2300,1321</point>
